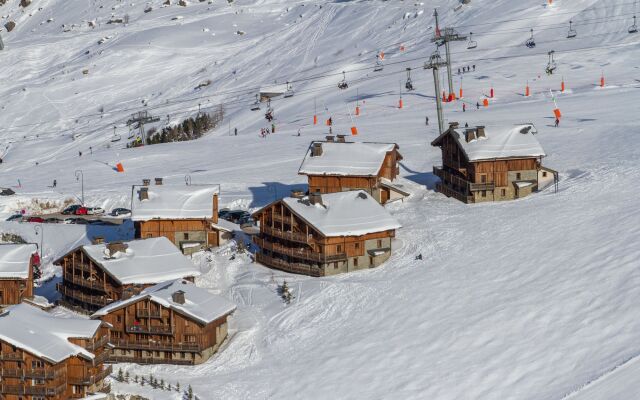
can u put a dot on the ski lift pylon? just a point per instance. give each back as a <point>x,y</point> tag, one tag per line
<point>343,83</point>
<point>572,32</point>
<point>409,84</point>
<point>530,43</point>
<point>633,28</point>
<point>472,43</point>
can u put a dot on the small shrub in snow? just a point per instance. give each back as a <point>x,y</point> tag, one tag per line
<point>285,293</point>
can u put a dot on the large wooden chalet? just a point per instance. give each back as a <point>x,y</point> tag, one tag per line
<point>480,164</point>
<point>185,214</point>
<point>338,166</point>
<point>173,322</point>
<point>325,234</point>
<point>48,357</point>
<point>96,275</point>
<point>17,262</point>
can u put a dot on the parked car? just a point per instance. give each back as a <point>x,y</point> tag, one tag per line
<point>15,217</point>
<point>79,221</point>
<point>82,210</point>
<point>39,220</point>
<point>246,221</point>
<point>71,210</point>
<point>236,215</point>
<point>223,213</point>
<point>120,211</point>
<point>95,210</point>
<point>52,220</point>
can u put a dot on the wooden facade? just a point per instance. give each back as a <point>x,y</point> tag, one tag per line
<point>86,286</point>
<point>24,375</point>
<point>15,289</point>
<point>145,332</point>
<point>486,180</point>
<point>186,234</point>
<point>372,184</point>
<point>289,243</point>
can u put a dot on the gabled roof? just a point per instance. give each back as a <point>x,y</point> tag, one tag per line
<point>174,202</point>
<point>44,335</point>
<point>346,159</point>
<point>351,213</point>
<point>15,260</point>
<point>515,141</point>
<point>145,261</point>
<point>199,304</point>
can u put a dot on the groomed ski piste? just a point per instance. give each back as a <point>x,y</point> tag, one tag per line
<point>530,299</point>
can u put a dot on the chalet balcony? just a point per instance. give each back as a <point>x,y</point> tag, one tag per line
<point>146,313</point>
<point>11,356</point>
<point>156,346</point>
<point>158,330</point>
<point>461,182</point>
<point>101,342</point>
<point>300,253</point>
<point>291,236</point>
<point>77,280</point>
<point>81,297</point>
<point>92,379</point>
<point>296,268</point>
<point>32,390</point>
<point>102,357</point>
<point>81,267</point>
<point>150,360</point>
<point>30,373</point>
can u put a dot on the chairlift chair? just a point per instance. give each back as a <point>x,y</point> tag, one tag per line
<point>115,138</point>
<point>551,65</point>
<point>633,28</point>
<point>256,105</point>
<point>472,43</point>
<point>379,65</point>
<point>131,134</point>
<point>289,92</point>
<point>572,32</point>
<point>409,84</point>
<point>269,114</point>
<point>342,85</point>
<point>530,43</point>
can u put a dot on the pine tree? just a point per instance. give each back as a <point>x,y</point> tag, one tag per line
<point>136,379</point>
<point>120,377</point>
<point>142,381</point>
<point>190,393</point>
<point>127,376</point>
<point>162,384</point>
<point>178,387</point>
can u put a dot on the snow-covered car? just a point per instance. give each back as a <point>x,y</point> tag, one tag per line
<point>15,217</point>
<point>71,210</point>
<point>116,212</point>
<point>78,221</point>
<point>95,210</point>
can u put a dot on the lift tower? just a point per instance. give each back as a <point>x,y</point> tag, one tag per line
<point>435,63</point>
<point>444,38</point>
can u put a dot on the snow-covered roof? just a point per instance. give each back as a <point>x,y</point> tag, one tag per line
<point>199,303</point>
<point>351,213</point>
<point>15,260</point>
<point>144,261</point>
<point>514,141</point>
<point>174,202</point>
<point>44,335</point>
<point>350,158</point>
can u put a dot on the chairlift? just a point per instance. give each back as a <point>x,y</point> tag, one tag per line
<point>434,59</point>
<point>256,105</point>
<point>379,65</point>
<point>633,28</point>
<point>409,84</point>
<point>572,32</point>
<point>343,83</point>
<point>289,92</point>
<point>472,43</point>
<point>115,138</point>
<point>131,134</point>
<point>269,114</point>
<point>551,65</point>
<point>530,43</point>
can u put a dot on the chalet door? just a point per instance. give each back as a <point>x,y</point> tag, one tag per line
<point>384,196</point>
<point>212,239</point>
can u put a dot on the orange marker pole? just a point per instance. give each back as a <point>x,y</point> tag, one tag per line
<point>357,111</point>
<point>491,94</point>
<point>562,86</point>
<point>485,102</point>
<point>527,91</point>
<point>400,103</point>
<point>315,120</point>
<point>602,81</point>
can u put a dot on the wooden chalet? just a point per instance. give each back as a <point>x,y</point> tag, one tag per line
<point>325,234</point>
<point>338,166</point>
<point>17,262</point>
<point>480,164</point>
<point>48,357</point>
<point>94,276</point>
<point>173,322</point>
<point>187,215</point>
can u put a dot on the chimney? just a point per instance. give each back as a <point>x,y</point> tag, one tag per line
<point>481,132</point>
<point>316,150</point>
<point>146,182</point>
<point>470,134</point>
<point>215,208</point>
<point>341,139</point>
<point>98,240</point>
<point>143,193</point>
<point>297,193</point>
<point>315,198</point>
<point>178,297</point>
<point>330,138</point>
<point>158,181</point>
<point>115,247</point>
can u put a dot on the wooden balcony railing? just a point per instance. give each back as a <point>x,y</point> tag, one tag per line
<point>100,342</point>
<point>155,346</point>
<point>461,182</point>
<point>77,280</point>
<point>301,253</point>
<point>159,330</point>
<point>11,356</point>
<point>81,267</point>
<point>296,268</point>
<point>145,313</point>
<point>292,236</point>
<point>32,390</point>
<point>150,360</point>
<point>102,357</point>
<point>82,297</point>
<point>91,379</point>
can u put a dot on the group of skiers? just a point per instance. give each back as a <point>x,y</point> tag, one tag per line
<point>266,131</point>
<point>467,69</point>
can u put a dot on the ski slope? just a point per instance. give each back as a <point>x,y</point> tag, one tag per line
<point>531,299</point>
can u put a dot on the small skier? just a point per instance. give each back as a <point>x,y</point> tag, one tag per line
<point>273,128</point>
<point>458,71</point>
<point>79,154</point>
<point>466,124</point>
<point>91,149</point>
<point>477,105</point>
<point>464,107</point>
<point>55,183</point>
<point>557,122</point>
<point>298,132</point>
<point>235,131</point>
<point>426,121</point>
<point>474,68</point>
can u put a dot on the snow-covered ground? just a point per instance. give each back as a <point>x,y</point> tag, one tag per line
<point>531,299</point>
